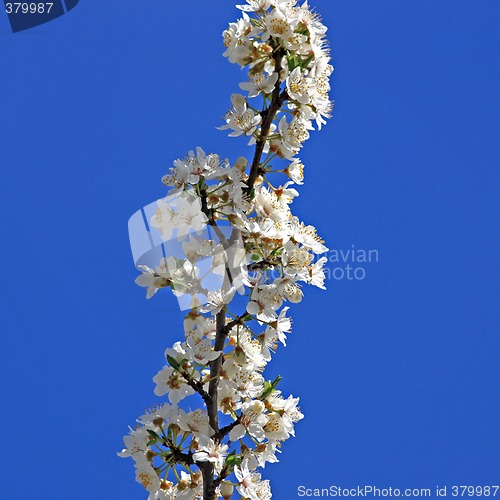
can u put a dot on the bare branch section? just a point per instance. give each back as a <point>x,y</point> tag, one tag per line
<point>197,386</point>
<point>209,485</point>
<point>222,433</point>
<point>215,369</point>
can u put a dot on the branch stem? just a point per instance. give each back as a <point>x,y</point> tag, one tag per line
<point>215,368</point>
<point>268,115</point>
<point>222,329</point>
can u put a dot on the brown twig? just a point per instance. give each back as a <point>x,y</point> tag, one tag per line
<point>197,386</point>
<point>222,433</point>
<point>209,486</point>
<point>268,115</point>
<point>179,456</point>
<point>215,368</point>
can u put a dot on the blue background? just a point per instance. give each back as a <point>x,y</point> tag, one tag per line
<point>398,373</point>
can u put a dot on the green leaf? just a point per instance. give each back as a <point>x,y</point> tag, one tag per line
<point>173,363</point>
<point>293,63</point>
<point>233,460</point>
<point>306,62</point>
<point>270,387</point>
<point>154,435</point>
<point>276,250</point>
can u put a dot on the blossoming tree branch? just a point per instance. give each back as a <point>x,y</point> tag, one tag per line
<point>243,257</point>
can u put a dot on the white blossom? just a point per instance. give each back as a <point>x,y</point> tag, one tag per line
<point>260,83</point>
<point>210,451</point>
<point>240,119</point>
<point>296,171</point>
<point>299,86</point>
<point>170,382</point>
<point>256,5</point>
<point>232,418</point>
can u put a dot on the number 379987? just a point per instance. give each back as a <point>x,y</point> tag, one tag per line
<point>29,8</point>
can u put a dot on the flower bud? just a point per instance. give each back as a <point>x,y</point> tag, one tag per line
<point>174,428</point>
<point>239,356</point>
<point>166,485</point>
<point>256,407</point>
<point>158,421</point>
<point>226,490</point>
<point>241,163</point>
<point>261,448</point>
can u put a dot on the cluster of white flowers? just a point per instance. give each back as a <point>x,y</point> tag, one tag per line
<point>283,42</point>
<point>233,329</point>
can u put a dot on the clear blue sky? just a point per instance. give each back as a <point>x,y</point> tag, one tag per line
<point>400,371</point>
